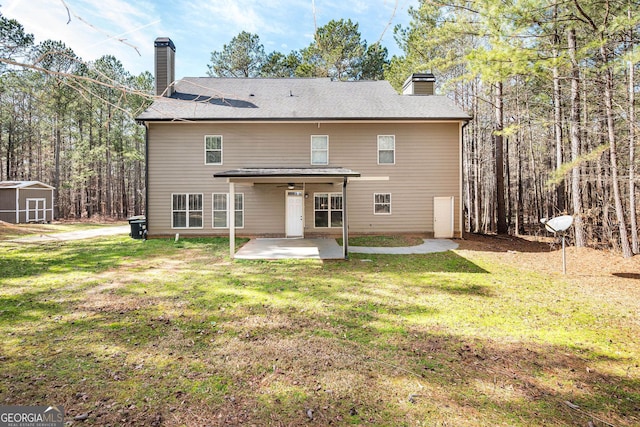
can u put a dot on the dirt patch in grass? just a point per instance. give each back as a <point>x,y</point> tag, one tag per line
<point>8,230</point>
<point>600,273</point>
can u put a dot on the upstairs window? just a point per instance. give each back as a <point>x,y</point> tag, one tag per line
<point>386,149</point>
<point>213,150</point>
<point>319,149</point>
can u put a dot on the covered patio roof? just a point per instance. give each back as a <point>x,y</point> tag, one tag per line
<point>278,175</point>
<point>266,174</point>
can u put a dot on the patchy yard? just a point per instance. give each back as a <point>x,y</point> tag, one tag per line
<point>125,332</point>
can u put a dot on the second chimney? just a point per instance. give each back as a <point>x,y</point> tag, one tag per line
<point>165,66</point>
<point>419,84</point>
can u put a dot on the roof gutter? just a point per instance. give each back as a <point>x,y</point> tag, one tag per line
<point>466,119</point>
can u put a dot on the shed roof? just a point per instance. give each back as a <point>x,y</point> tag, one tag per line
<point>24,184</point>
<point>299,99</point>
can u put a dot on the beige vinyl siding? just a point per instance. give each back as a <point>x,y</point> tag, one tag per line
<point>427,164</point>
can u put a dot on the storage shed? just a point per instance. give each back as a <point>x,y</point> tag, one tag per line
<point>26,201</point>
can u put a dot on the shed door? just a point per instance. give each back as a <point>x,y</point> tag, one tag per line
<point>443,217</point>
<point>36,210</point>
<point>294,224</point>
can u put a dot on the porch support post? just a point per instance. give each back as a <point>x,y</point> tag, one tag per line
<point>345,225</point>
<point>231,215</point>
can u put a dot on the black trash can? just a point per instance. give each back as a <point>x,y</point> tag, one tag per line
<point>138,227</point>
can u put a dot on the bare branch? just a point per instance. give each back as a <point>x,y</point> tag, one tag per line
<point>393,15</point>
<point>79,18</point>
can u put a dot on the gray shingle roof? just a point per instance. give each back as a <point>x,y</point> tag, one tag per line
<point>207,98</point>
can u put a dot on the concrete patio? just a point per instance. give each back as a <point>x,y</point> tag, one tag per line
<point>326,249</point>
<point>290,249</point>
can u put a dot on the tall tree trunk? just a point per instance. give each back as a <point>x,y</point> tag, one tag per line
<point>632,142</point>
<point>557,118</point>
<point>520,190</point>
<point>476,165</point>
<point>10,151</point>
<point>507,165</point>
<point>576,199</point>
<point>613,153</point>
<point>56,173</point>
<point>609,114</point>
<point>501,213</point>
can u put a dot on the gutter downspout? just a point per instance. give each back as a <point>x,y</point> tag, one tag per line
<point>146,174</point>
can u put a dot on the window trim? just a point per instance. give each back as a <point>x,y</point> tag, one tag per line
<point>207,150</point>
<point>325,150</point>
<point>187,211</point>
<point>213,211</point>
<point>328,210</point>
<point>381,204</point>
<point>394,149</point>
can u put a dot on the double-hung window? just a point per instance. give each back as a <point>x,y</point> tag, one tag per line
<point>386,149</point>
<point>213,149</point>
<point>327,210</point>
<point>221,210</point>
<point>382,204</point>
<point>186,210</point>
<point>319,149</point>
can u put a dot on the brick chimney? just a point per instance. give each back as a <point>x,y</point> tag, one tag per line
<point>419,84</point>
<point>165,66</point>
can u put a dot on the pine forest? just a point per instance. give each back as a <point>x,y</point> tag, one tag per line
<point>551,87</point>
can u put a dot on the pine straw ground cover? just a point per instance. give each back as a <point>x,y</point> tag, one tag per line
<point>125,332</point>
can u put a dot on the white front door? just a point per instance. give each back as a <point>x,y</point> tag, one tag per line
<point>443,217</point>
<point>36,210</point>
<point>294,222</point>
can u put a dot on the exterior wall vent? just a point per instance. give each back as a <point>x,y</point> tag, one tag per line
<point>419,84</point>
<point>165,66</point>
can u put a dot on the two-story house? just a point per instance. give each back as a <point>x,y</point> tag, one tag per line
<point>300,157</point>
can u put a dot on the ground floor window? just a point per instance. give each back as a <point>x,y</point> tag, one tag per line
<point>328,210</point>
<point>221,211</point>
<point>186,210</point>
<point>382,203</point>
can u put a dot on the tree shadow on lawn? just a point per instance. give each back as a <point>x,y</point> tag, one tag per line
<point>27,307</point>
<point>96,255</point>
<point>505,243</point>
<point>140,367</point>
<point>440,262</point>
<point>262,343</point>
<point>633,276</point>
<point>63,258</point>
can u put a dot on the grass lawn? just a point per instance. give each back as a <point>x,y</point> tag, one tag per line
<point>12,231</point>
<point>125,332</point>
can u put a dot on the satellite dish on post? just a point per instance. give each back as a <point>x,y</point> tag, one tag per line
<point>559,225</point>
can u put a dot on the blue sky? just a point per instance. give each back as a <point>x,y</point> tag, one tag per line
<point>197,27</point>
